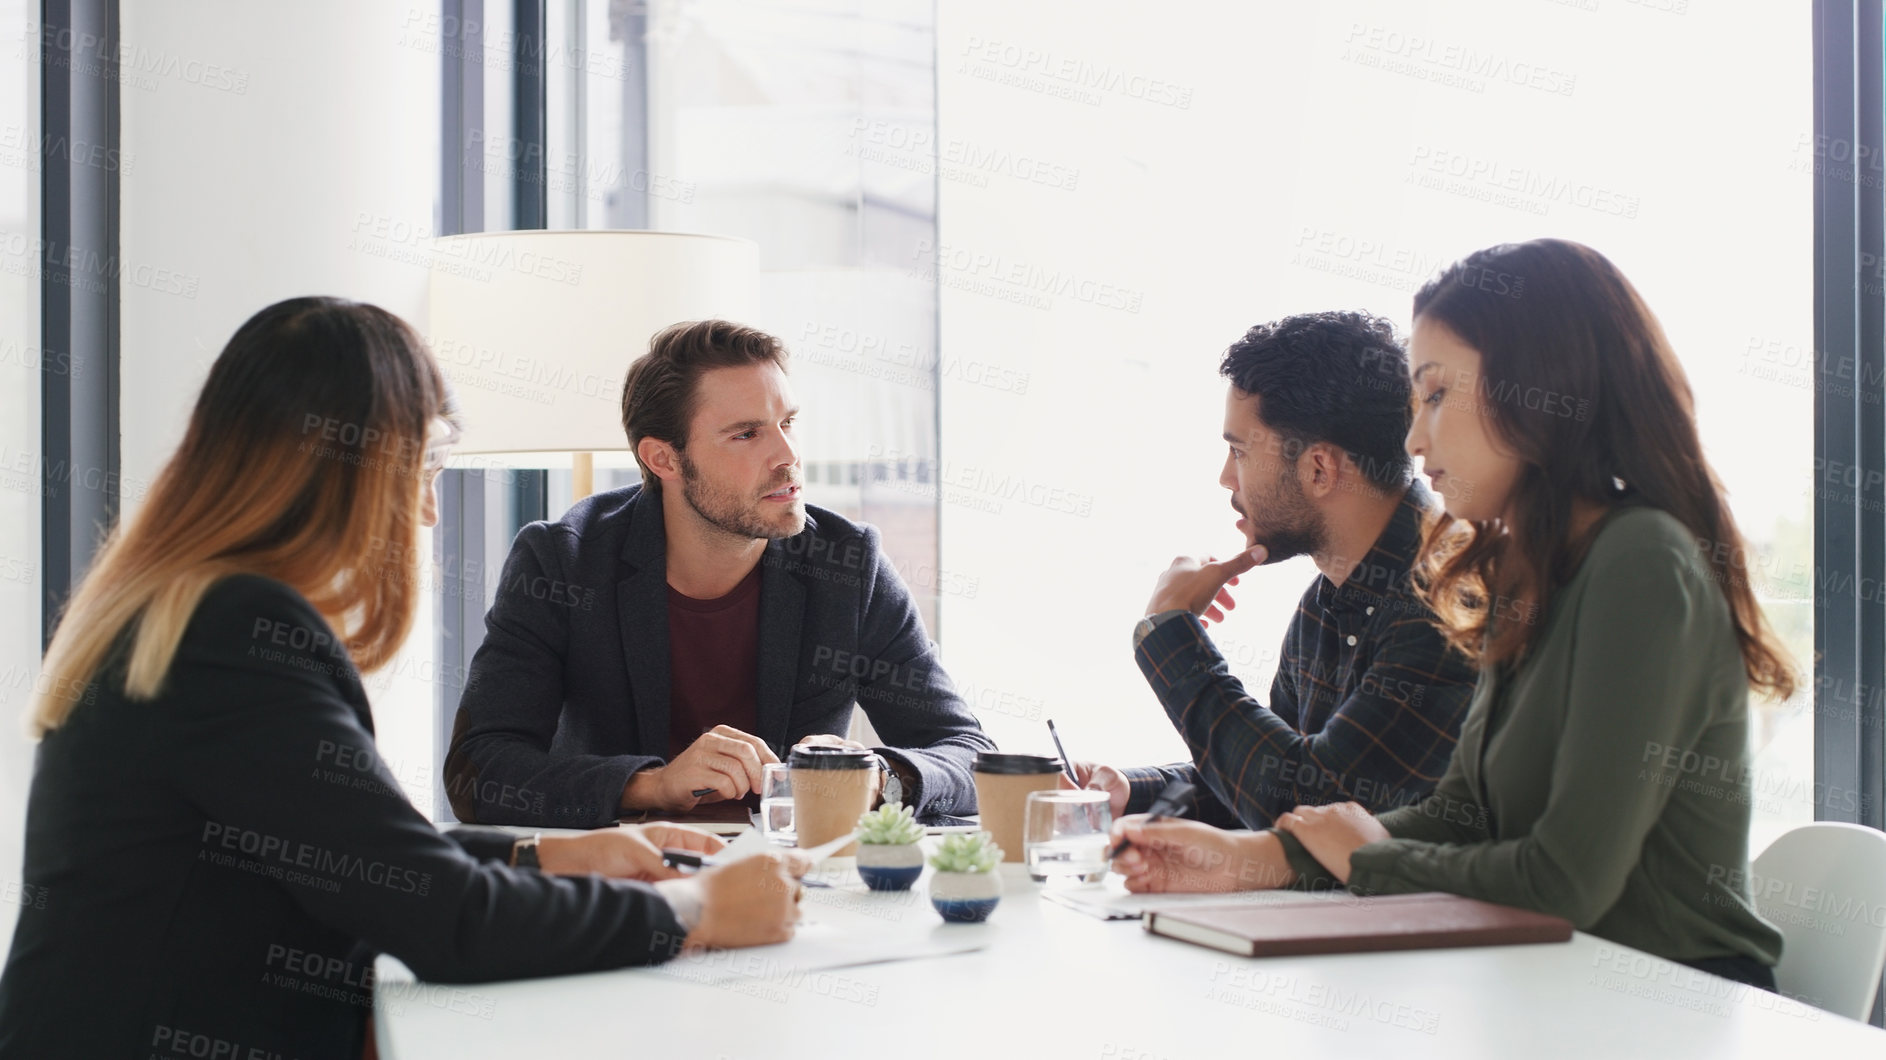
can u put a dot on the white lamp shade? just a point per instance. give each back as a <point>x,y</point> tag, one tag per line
<point>535,330</point>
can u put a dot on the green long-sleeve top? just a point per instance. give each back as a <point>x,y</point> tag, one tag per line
<point>1604,778</point>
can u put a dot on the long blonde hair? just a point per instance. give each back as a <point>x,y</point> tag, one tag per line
<point>303,462</point>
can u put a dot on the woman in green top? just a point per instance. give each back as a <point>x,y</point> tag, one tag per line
<point>1588,563</point>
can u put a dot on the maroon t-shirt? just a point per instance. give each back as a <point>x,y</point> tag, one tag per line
<point>713,663</point>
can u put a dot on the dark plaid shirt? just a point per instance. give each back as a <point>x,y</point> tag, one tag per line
<point>1366,705</point>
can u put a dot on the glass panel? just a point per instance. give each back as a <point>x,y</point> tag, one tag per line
<point>743,118</point>
<point>761,122</point>
<point>1182,185</point>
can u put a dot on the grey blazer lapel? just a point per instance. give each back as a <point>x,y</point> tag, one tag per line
<point>642,611</point>
<point>782,624</point>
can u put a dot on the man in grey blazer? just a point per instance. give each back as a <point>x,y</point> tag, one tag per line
<point>676,636</point>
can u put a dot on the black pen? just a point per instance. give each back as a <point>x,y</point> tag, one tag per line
<point>1170,803</point>
<point>698,792</point>
<point>688,859</point>
<point>1066,762</point>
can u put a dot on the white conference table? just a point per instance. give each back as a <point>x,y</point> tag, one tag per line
<point>1054,982</point>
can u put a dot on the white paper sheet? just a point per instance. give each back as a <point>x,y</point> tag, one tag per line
<point>743,846</point>
<point>749,844</point>
<point>832,935</point>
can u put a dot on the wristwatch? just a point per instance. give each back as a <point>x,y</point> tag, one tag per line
<point>890,786</point>
<point>524,853</point>
<point>1151,622</point>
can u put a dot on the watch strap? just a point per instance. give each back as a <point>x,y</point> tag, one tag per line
<point>1153,621</point>
<point>890,785</point>
<point>524,853</point>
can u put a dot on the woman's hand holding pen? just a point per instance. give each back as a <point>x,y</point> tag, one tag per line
<point>752,902</point>
<point>1174,856</point>
<point>630,852</point>
<point>1177,856</point>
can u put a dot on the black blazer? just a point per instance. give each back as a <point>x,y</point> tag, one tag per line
<point>568,695</point>
<point>220,864</point>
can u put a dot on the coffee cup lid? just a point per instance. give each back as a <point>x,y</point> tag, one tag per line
<point>816,757</point>
<point>991,762</point>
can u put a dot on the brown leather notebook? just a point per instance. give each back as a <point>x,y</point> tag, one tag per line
<point>1356,925</point>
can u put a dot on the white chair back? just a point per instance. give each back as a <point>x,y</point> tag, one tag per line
<point>1824,886</point>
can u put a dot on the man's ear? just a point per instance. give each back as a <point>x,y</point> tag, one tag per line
<point>1320,470</point>
<point>661,459</point>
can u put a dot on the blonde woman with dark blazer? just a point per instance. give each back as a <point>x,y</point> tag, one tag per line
<point>222,850</point>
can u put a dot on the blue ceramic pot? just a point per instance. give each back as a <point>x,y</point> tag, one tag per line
<point>890,867</point>
<point>965,897</point>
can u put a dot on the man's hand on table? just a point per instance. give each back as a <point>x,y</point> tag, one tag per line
<point>724,759</point>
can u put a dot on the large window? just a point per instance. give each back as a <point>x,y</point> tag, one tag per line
<point>761,120</point>
<point>764,123</point>
<point>1183,181</point>
<point>740,118</point>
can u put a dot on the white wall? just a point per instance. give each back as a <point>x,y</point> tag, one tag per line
<point>280,150</point>
<point>21,365</point>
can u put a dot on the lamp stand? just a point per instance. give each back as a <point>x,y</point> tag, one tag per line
<point>582,475</point>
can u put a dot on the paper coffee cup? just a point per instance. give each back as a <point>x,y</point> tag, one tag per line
<point>831,789</point>
<point>1002,786</point>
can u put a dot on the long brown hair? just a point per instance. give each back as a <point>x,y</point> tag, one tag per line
<point>1584,387</point>
<point>303,462</point>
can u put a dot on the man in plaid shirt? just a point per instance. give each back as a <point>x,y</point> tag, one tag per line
<point>1368,699</point>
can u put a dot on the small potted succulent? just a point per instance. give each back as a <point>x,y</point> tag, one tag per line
<point>966,887</point>
<point>889,858</point>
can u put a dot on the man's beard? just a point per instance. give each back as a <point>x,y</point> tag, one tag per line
<point>727,511</point>
<point>1291,525</point>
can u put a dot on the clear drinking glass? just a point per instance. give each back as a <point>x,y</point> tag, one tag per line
<point>776,805</point>
<point>1064,834</point>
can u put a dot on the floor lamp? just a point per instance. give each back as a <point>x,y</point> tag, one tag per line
<point>536,329</point>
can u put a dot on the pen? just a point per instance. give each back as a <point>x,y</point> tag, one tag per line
<point>1170,803</point>
<point>686,859</point>
<point>689,859</point>
<point>698,792</point>
<point>1066,762</point>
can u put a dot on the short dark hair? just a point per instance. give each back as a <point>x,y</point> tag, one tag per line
<point>1335,377</point>
<point>662,389</point>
